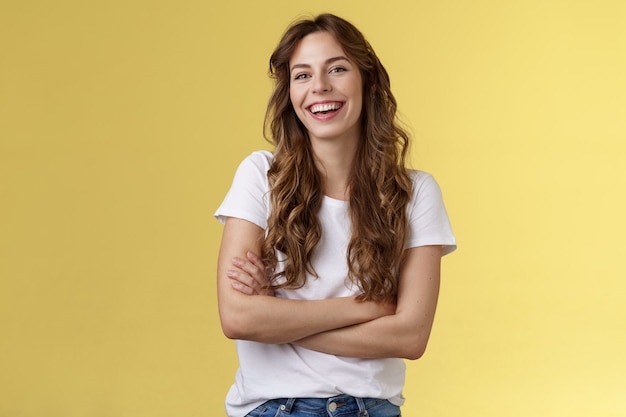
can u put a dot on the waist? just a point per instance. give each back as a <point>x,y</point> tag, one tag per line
<point>337,405</point>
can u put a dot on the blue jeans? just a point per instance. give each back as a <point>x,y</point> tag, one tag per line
<point>339,406</point>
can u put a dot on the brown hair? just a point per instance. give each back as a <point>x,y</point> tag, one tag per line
<point>380,187</point>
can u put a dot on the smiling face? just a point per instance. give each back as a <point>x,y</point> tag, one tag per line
<point>326,89</point>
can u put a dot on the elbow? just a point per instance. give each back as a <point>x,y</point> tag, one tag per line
<point>246,330</point>
<point>415,348</point>
<point>237,317</point>
<point>414,354</point>
<point>233,326</point>
<point>230,331</point>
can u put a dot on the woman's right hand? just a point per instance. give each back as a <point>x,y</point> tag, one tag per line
<point>250,276</point>
<point>270,319</point>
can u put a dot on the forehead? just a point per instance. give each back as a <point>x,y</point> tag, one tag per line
<point>316,47</point>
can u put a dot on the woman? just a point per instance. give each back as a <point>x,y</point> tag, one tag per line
<point>350,241</point>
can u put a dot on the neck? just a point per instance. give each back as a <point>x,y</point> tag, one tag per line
<point>334,161</point>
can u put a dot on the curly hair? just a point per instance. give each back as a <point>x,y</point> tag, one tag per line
<point>380,187</point>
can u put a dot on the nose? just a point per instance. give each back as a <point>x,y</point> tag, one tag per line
<point>321,84</point>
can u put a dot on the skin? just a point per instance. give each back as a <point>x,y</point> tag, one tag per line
<point>404,333</point>
<point>322,73</point>
<point>255,317</point>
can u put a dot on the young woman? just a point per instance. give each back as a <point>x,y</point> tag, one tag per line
<point>328,271</point>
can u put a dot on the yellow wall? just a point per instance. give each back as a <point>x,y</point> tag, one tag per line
<point>121,124</point>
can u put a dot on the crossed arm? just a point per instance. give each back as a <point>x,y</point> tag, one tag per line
<point>338,326</point>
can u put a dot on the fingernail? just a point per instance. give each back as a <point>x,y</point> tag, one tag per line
<point>237,261</point>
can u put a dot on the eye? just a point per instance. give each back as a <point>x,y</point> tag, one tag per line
<point>301,76</point>
<point>336,70</point>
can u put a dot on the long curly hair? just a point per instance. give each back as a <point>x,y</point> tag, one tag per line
<point>380,187</point>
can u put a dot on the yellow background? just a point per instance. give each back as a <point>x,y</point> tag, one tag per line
<point>122,123</point>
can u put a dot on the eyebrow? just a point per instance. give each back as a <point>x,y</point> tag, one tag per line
<point>328,61</point>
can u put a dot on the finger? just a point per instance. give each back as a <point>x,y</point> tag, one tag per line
<point>255,272</point>
<point>239,286</point>
<point>243,279</point>
<point>263,276</point>
<point>256,261</point>
<point>242,288</point>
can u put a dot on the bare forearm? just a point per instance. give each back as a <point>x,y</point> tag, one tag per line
<point>268,319</point>
<point>404,334</point>
<point>401,335</point>
<point>386,337</point>
<point>275,320</point>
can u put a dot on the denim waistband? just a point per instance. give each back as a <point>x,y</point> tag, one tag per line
<point>337,405</point>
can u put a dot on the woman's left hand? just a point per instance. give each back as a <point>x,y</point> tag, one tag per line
<point>250,276</point>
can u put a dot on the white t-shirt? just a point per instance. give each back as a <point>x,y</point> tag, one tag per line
<point>269,371</point>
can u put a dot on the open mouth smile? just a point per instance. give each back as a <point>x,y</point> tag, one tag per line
<point>322,109</point>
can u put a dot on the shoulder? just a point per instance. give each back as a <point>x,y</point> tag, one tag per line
<point>261,160</point>
<point>418,176</point>
<point>255,165</point>
<point>262,156</point>
<point>426,193</point>
<point>423,182</point>
<point>247,197</point>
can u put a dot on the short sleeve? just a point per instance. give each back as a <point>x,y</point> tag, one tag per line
<point>247,197</point>
<point>428,219</point>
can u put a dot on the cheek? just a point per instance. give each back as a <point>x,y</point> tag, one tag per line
<point>357,94</point>
<point>291,94</point>
<point>354,89</point>
<point>295,96</point>
<point>296,100</point>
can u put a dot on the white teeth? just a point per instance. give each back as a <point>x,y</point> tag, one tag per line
<point>317,108</point>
